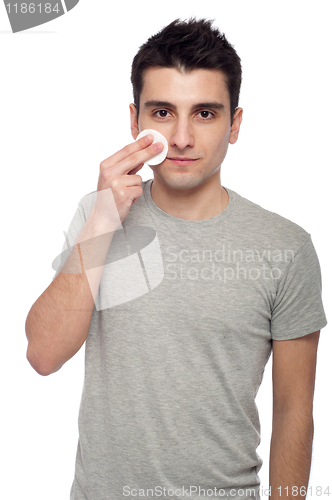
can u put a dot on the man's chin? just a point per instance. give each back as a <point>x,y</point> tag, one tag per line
<point>180,181</point>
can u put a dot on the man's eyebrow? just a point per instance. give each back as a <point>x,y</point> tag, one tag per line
<point>211,105</point>
<point>200,105</point>
<point>158,104</point>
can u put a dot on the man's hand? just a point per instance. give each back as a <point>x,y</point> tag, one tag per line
<point>117,177</point>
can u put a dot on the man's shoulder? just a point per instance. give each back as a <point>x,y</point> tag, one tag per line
<point>87,202</point>
<point>265,224</point>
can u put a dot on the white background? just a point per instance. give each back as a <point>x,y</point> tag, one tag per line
<point>65,94</point>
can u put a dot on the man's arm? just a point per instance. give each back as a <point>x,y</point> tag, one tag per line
<point>293,376</point>
<point>58,322</point>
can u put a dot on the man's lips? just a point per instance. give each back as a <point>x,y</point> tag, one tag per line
<point>181,160</point>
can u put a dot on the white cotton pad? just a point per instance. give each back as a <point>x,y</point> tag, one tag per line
<point>157,137</point>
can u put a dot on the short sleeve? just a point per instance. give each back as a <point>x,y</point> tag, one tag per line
<point>298,308</point>
<point>75,227</point>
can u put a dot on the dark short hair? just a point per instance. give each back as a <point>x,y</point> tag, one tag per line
<point>189,45</point>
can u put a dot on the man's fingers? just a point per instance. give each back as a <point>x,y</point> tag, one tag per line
<point>137,158</point>
<point>136,169</point>
<point>125,152</point>
<point>120,183</point>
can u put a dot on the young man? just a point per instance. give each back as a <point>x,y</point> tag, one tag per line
<point>211,284</point>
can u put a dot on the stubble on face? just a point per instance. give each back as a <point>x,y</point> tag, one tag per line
<point>193,130</point>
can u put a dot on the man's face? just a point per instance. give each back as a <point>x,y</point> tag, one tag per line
<point>192,110</point>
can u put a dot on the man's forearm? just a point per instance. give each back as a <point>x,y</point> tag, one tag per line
<point>58,322</point>
<point>290,455</point>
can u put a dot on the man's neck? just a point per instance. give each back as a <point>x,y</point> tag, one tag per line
<point>196,204</point>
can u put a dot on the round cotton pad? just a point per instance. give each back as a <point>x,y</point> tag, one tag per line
<point>158,137</point>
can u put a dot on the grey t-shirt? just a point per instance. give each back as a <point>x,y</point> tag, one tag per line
<point>173,365</point>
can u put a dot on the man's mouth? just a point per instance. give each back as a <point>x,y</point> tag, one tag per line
<point>181,160</point>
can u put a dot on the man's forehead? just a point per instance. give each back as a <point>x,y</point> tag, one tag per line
<point>188,87</point>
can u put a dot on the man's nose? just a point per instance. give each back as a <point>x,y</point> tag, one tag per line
<point>182,135</point>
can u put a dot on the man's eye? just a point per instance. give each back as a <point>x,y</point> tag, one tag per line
<point>205,114</point>
<point>162,113</point>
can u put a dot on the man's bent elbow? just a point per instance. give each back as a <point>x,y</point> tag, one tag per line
<point>40,365</point>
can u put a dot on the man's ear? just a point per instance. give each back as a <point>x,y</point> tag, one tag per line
<point>133,121</point>
<point>236,126</point>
